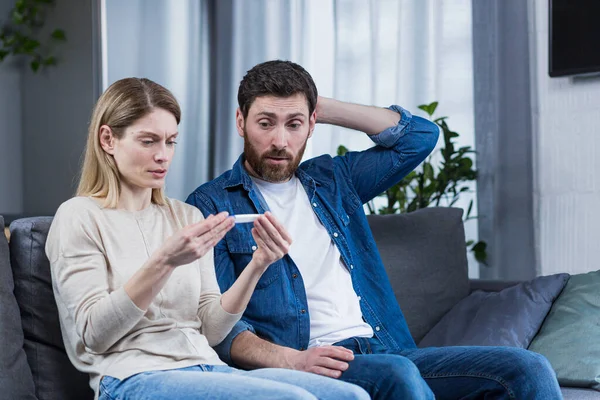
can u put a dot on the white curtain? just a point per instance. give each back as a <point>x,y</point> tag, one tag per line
<point>380,52</point>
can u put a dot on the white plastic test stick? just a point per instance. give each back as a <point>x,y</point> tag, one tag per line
<point>245,218</point>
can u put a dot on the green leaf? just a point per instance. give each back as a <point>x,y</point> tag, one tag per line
<point>341,150</point>
<point>30,45</point>
<point>479,251</point>
<point>470,243</point>
<point>427,171</point>
<point>470,208</point>
<point>49,61</point>
<point>59,34</point>
<point>17,17</point>
<point>429,108</point>
<point>35,65</point>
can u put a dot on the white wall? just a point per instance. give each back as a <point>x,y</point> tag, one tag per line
<point>11,189</point>
<point>566,144</point>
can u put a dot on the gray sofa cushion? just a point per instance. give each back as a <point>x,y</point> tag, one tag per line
<point>16,381</point>
<point>510,317</point>
<point>53,374</point>
<point>425,257</point>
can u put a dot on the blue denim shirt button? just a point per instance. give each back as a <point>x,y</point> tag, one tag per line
<point>302,311</point>
<point>253,248</point>
<point>314,204</point>
<point>335,234</point>
<point>377,328</point>
<point>351,266</point>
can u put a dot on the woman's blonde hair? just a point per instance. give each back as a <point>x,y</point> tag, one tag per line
<point>119,107</point>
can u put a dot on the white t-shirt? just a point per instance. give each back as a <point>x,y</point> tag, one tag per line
<point>333,305</point>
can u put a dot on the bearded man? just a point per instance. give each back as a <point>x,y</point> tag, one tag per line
<point>326,305</point>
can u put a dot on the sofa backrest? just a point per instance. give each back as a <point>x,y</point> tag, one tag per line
<point>424,253</point>
<point>53,374</point>
<point>16,381</point>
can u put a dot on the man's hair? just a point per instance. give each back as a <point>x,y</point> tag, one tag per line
<point>276,78</point>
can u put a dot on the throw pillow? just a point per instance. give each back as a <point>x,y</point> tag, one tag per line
<point>569,336</point>
<point>510,317</point>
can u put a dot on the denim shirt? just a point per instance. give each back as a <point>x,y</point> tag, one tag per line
<point>337,188</point>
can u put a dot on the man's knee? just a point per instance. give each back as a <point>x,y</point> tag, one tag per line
<point>533,363</point>
<point>404,370</point>
<point>398,376</point>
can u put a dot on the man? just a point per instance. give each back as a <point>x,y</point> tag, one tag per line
<point>326,306</point>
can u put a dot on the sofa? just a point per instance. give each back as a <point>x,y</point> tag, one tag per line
<point>424,254</point>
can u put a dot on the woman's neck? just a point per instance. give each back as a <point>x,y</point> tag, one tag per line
<point>134,199</point>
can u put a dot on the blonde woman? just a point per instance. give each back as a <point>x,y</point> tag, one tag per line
<point>133,273</point>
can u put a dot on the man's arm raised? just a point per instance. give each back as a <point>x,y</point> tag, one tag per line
<point>368,119</point>
<point>250,352</point>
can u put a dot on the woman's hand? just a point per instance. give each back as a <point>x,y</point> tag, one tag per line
<point>273,243</point>
<point>272,240</point>
<point>195,240</point>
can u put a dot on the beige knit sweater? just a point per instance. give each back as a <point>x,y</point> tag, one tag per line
<point>93,251</point>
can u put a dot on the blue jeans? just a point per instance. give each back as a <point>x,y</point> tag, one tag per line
<point>450,372</point>
<point>216,382</point>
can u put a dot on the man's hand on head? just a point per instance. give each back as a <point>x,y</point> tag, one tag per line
<point>329,361</point>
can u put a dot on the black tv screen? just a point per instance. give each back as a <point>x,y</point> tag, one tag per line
<point>574,30</point>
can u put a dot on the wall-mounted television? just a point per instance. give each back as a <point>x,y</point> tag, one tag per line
<point>574,37</point>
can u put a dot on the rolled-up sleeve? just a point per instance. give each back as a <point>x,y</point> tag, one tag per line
<point>392,135</point>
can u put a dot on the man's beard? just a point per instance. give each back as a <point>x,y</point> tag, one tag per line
<point>272,172</point>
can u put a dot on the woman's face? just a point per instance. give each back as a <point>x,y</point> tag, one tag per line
<point>144,153</point>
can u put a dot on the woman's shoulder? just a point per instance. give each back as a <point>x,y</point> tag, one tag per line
<point>78,206</point>
<point>188,213</point>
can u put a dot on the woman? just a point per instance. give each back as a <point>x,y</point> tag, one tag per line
<point>133,273</point>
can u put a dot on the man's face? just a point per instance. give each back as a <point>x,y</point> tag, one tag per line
<point>275,135</point>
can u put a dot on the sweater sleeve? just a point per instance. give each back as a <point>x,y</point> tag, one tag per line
<point>80,281</point>
<point>216,322</point>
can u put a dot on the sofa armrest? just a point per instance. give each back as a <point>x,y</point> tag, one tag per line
<point>490,285</point>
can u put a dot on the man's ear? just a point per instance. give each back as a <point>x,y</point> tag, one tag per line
<point>239,122</point>
<point>107,139</point>
<point>312,121</point>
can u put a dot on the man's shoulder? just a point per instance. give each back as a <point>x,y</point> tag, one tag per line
<point>214,187</point>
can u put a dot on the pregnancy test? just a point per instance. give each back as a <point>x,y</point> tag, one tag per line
<point>245,218</point>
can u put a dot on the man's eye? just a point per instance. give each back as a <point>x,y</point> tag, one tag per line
<point>263,124</point>
<point>171,143</point>
<point>294,126</point>
<point>147,142</point>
